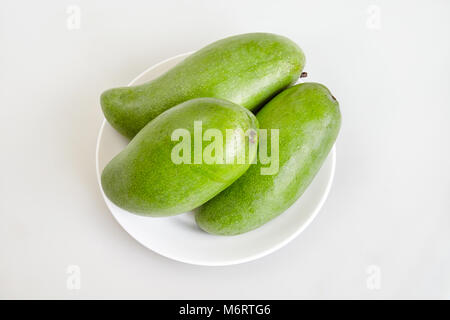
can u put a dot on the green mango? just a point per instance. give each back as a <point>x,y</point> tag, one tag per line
<point>308,119</point>
<point>154,176</point>
<point>246,69</point>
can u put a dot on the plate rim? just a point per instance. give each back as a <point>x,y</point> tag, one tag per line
<point>249,258</point>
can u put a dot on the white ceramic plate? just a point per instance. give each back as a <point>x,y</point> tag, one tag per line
<point>180,239</point>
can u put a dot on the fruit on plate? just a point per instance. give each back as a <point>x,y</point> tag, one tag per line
<point>308,119</point>
<point>183,158</point>
<point>246,69</point>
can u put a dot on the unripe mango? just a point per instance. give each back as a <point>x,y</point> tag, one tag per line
<point>246,69</point>
<point>154,176</point>
<point>308,119</point>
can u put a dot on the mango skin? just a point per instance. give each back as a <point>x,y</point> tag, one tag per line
<point>308,119</point>
<point>143,179</point>
<point>246,69</point>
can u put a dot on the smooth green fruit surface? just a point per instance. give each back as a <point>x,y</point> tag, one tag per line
<point>246,69</point>
<point>144,179</point>
<point>308,119</point>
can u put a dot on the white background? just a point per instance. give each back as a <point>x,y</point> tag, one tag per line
<point>388,213</point>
